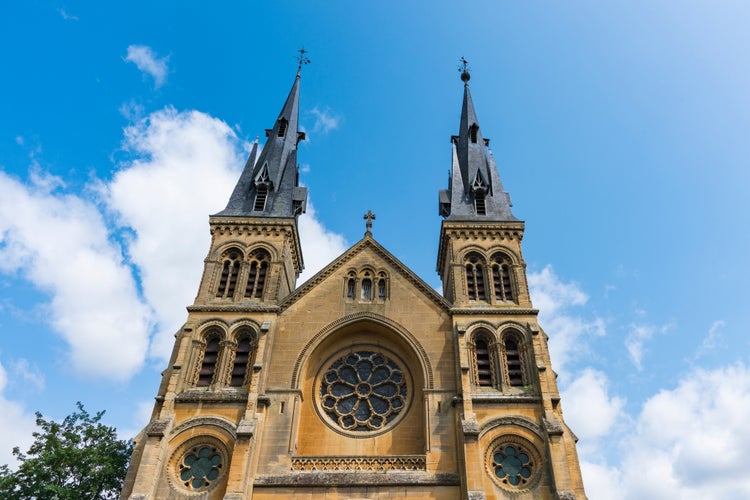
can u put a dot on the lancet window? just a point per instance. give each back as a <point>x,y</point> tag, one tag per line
<point>502,281</point>
<point>210,360</point>
<point>243,358</point>
<point>230,269</point>
<point>514,359</point>
<point>484,360</point>
<point>474,265</point>
<point>258,270</point>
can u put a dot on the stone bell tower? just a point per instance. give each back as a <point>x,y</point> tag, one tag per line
<point>513,437</point>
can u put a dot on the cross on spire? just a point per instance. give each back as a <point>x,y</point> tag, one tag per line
<point>302,59</point>
<point>369,217</point>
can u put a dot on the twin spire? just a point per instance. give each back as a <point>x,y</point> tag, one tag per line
<point>269,184</point>
<point>474,188</point>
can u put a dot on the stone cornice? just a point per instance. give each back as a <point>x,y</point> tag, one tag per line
<point>267,308</point>
<point>515,311</point>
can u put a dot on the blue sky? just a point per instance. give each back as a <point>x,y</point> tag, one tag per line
<point>620,131</point>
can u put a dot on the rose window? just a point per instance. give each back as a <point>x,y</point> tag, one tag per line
<point>200,467</point>
<point>363,391</point>
<point>512,465</point>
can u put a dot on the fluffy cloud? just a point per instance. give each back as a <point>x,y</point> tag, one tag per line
<point>185,166</point>
<point>590,410</point>
<point>692,442</point>
<point>638,336</point>
<point>60,243</point>
<point>147,61</point>
<point>16,424</point>
<point>325,121</point>
<point>557,302</point>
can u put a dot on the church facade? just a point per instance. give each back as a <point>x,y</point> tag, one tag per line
<point>363,382</point>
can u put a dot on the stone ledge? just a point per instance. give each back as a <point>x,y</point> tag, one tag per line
<point>357,479</point>
<point>200,396</point>
<point>358,463</point>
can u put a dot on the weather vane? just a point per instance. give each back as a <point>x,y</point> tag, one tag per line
<point>302,59</point>
<point>464,70</point>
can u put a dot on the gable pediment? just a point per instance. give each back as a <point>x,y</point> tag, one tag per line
<point>367,254</point>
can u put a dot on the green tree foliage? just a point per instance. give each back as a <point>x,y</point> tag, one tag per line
<point>80,458</point>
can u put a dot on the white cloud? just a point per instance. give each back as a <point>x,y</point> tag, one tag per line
<point>638,336</point>
<point>187,164</point>
<point>712,340</point>
<point>66,16</point>
<point>61,244</point>
<point>319,246</point>
<point>16,424</point>
<point>692,442</point>
<point>141,418</point>
<point>147,61</point>
<point>185,168</point>
<point>325,121</point>
<point>556,301</point>
<point>590,411</point>
<point>29,374</point>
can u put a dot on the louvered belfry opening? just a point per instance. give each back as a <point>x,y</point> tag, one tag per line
<point>260,198</point>
<point>208,365</point>
<point>484,365</point>
<point>501,279</point>
<point>513,360</point>
<point>229,272</point>
<point>256,278</point>
<point>475,277</point>
<point>241,361</point>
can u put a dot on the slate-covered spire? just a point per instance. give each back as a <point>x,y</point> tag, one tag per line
<point>269,187</point>
<point>474,188</point>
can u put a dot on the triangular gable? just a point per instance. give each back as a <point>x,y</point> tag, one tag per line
<point>348,255</point>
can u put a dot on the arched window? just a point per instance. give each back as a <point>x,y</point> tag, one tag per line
<point>351,284</point>
<point>485,373</point>
<point>381,286</point>
<point>260,198</point>
<point>501,278</point>
<point>514,359</point>
<point>282,127</point>
<point>243,357</point>
<point>230,269</point>
<point>367,289</point>
<point>475,277</point>
<point>473,132</point>
<point>210,359</point>
<point>256,278</point>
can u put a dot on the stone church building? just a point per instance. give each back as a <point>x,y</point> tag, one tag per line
<point>363,382</point>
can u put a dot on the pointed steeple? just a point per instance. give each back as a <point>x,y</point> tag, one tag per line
<point>269,187</point>
<point>474,188</point>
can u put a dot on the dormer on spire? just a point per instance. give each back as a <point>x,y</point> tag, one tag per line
<point>269,187</point>
<point>475,191</point>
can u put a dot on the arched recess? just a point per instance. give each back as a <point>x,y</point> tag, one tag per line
<point>516,356</point>
<point>204,439</point>
<point>364,317</point>
<point>375,352</point>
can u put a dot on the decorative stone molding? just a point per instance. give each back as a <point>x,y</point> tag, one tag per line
<point>566,495</point>
<point>493,423</point>
<point>356,478</point>
<point>477,495</point>
<point>219,422</point>
<point>498,309</point>
<point>470,427</point>
<point>370,464</point>
<point>553,427</point>
<point>158,428</point>
<point>209,396</point>
<point>246,429</point>
<point>237,307</point>
<point>497,397</point>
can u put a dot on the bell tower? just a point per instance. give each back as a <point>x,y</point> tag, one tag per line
<point>513,437</point>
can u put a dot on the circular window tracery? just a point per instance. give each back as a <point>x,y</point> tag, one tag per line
<point>363,391</point>
<point>513,463</point>
<point>200,467</point>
